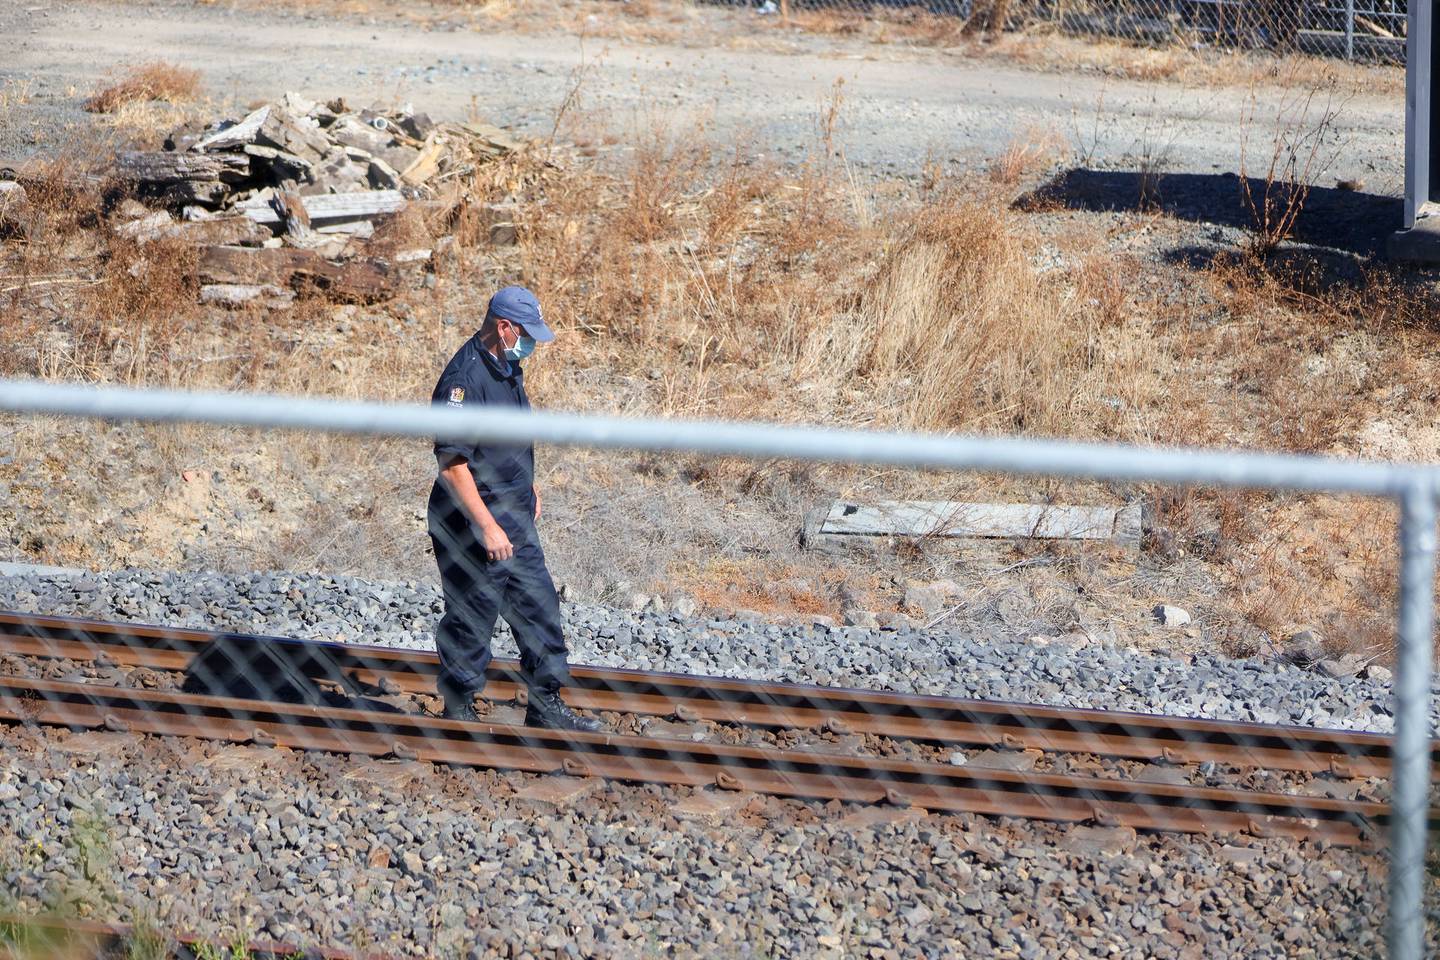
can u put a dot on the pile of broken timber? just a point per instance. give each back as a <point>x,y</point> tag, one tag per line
<point>291,194</point>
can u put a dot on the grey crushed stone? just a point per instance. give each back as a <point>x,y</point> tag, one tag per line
<point>295,848</point>
<point>941,661</point>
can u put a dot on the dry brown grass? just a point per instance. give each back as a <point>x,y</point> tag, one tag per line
<point>1218,68</point>
<point>157,80</point>
<point>686,283</point>
<point>1030,152</point>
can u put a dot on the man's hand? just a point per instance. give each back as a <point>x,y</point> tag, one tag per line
<point>536,491</point>
<point>497,544</point>
<point>455,474</point>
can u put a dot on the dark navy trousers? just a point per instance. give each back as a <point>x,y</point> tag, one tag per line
<point>478,590</point>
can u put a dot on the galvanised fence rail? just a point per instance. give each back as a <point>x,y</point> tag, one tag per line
<point>1413,487</point>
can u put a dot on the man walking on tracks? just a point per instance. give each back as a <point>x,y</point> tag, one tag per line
<point>482,515</point>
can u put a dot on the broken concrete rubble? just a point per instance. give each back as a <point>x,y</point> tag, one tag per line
<point>313,178</point>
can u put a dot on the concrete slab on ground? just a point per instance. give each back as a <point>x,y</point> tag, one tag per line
<point>8,569</point>
<point>1163,773</point>
<point>711,805</point>
<point>880,816</point>
<point>1236,854</point>
<point>1100,841</point>
<point>92,743</point>
<point>506,713</point>
<point>558,791</point>
<point>964,520</point>
<point>1419,244</point>
<point>1017,760</point>
<point>1334,789</point>
<point>392,774</point>
<point>236,759</point>
<point>669,729</point>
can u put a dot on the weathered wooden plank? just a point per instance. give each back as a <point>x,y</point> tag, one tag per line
<point>287,267</point>
<point>294,135</point>
<point>331,207</point>
<point>960,519</point>
<point>237,135</point>
<point>489,138</point>
<point>241,294</point>
<point>165,167</point>
<point>249,265</point>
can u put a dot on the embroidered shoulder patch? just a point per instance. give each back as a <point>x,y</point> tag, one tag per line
<point>457,396</point>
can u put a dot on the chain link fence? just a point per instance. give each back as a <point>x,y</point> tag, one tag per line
<point>186,789</point>
<point>1367,30</point>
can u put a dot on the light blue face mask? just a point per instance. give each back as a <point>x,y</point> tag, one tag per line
<point>522,349</point>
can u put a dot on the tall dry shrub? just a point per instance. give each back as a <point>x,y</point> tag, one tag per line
<point>136,321</point>
<point>157,80</point>
<point>957,329</point>
<point>1302,147</point>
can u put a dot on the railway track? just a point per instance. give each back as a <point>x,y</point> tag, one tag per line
<point>297,709</point>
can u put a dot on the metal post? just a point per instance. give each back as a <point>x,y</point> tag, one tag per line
<point>1418,19</point>
<point>1350,30</point>
<point>1410,762</point>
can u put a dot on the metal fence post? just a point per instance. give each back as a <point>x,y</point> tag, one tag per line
<point>1411,750</point>
<point>1350,30</point>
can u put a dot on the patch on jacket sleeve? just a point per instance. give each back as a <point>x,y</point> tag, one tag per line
<point>457,397</point>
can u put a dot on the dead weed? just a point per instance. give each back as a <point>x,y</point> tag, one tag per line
<point>157,80</point>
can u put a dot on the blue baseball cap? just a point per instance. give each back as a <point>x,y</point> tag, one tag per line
<point>519,305</point>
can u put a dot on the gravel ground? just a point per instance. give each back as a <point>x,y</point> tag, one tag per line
<point>902,104</point>
<point>950,663</point>
<point>422,860</point>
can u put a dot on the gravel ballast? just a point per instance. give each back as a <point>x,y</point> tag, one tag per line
<point>322,850</point>
<point>422,860</point>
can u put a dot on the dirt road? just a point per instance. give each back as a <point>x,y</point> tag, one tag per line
<point>901,104</point>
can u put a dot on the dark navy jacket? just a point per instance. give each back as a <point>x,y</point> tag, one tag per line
<point>475,378</point>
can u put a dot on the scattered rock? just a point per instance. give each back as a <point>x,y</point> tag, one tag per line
<point>894,620</point>
<point>854,617</point>
<point>924,601</point>
<point>1338,669</point>
<point>17,217</point>
<point>1304,648</point>
<point>1169,616</point>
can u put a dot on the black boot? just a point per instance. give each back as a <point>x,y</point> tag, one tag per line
<point>546,709</point>
<point>460,706</point>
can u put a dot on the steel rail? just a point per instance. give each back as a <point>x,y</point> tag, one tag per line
<point>977,723</point>
<point>497,426</point>
<point>790,773</point>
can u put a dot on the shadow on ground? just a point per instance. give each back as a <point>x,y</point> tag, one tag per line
<point>1343,220</point>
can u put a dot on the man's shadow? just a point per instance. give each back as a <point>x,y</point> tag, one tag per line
<point>278,670</point>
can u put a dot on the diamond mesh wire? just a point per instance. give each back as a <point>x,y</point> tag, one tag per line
<point>177,688</point>
<point>1359,29</point>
